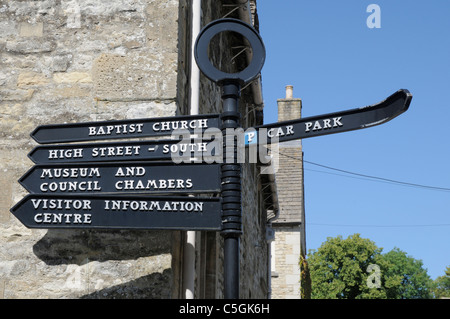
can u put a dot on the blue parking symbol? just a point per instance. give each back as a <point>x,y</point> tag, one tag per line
<point>251,138</point>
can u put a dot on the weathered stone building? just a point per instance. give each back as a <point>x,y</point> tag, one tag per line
<point>289,226</point>
<point>84,60</point>
<point>75,61</point>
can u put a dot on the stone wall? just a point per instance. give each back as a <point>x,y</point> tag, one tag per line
<point>67,61</point>
<point>75,61</point>
<point>286,273</point>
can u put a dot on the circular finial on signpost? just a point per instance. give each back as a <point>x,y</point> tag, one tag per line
<point>234,25</point>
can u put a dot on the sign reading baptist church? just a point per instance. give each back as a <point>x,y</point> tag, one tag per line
<point>123,177</point>
<point>121,212</point>
<point>90,131</point>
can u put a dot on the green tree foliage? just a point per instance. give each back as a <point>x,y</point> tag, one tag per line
<point>441,287</point>
<point>355,268</point>
<point>410,280</point>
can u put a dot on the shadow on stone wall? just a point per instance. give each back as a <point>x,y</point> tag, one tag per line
<point>75,246</point>
<point>153,286</point>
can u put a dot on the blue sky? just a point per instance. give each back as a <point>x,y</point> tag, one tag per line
<point>335,62</point>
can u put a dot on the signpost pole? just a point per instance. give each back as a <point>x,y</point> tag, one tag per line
<point>231,190</point>
<point>230,169</point>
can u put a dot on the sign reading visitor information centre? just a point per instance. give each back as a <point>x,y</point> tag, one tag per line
<point>118,212</point>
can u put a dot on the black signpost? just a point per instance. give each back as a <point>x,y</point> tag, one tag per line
<point>231,169</point>
<point>112,185</point>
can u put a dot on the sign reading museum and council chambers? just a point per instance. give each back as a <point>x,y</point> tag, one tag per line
<point>126,177</point>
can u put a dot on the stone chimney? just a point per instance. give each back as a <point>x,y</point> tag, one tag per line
<point>289,108</point>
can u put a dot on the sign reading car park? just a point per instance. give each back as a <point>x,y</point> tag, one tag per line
<point>337,122</point>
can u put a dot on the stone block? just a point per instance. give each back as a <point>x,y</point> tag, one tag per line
<point>15,95</point>
<point>3,78</point>
<point>2,288</point>
<point>31,8</point>
<point>72,77</point>
<point>31,29</point>
<point>60,63</point>
<point>7,28</point>
<point>71,91</point>
<point>31,45</point>
<point>5,195</point>
<point>110,8</point>
<point>136,76</point>
<point>31,79</point>
<point>107,110</point>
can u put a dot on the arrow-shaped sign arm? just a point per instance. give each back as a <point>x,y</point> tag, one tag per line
<point>336,122</point>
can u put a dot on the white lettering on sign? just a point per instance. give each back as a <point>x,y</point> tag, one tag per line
<point>280,131</point>
<point>69,153</point>
<point>62,218</point>
<point>154,206</point>
<point>130,171</point>
<point>116,151</point>
<point>70,172</point>
<point>323,124</point>
<point>70,186</point>
<point>153,184</point>
<point>116,129</point>
<point>186,147</point>
<point>77,204</point>
<point>59,217</point>
<point>182,125</point>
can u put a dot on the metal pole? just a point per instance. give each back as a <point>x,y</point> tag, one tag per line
<point>231,190</point>
<point>231,169</point>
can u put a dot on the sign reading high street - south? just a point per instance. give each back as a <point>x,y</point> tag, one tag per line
<point>90,131</point>
<point>119,212</point>
<point>122,177</point>
<point>125,151</point>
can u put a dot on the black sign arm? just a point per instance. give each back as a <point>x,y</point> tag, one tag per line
<point>116,129</point>
<point>337,122</point>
